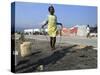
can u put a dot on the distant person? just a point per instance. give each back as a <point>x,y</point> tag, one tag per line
<point>52,26</point>
<point>88,31</point>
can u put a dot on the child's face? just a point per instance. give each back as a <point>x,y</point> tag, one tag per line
<point>51,11</point>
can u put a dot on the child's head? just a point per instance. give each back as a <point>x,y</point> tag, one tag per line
<point>88,26</point>
<point>51,10</point>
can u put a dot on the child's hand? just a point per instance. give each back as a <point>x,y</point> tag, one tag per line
<point>61,30</point>
<point>62,27</point>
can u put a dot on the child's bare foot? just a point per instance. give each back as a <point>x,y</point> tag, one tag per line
<point>53,48</point>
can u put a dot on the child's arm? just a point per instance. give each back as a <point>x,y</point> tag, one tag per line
<point>57,23</point>
<point>45,24</point>
<point>60,24</point>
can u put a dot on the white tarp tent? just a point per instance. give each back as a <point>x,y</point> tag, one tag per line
<point>37,30</point>
<point>81,30</point>
<point>29,31</point>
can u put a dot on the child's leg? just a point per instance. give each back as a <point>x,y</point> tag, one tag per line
<point>54,41</point>
<point>87,35</point>
<point>51,40</point>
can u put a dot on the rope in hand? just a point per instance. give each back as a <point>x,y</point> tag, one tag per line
<point>44,33</point>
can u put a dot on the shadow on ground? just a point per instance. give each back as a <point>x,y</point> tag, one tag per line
<point>27,66</point>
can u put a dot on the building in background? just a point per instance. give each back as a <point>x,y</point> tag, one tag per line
<point>28,31</point>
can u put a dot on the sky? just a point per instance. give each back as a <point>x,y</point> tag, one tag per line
<point>31,15</point>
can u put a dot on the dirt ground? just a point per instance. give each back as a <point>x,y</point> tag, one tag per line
<point>64,57</point>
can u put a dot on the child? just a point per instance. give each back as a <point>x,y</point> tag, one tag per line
<point>88,31</point>
<point>52,26</point>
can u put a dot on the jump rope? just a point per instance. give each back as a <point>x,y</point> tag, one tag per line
<point>46,36</point>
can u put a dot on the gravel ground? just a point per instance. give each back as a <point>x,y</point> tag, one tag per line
<point>64,57</point>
